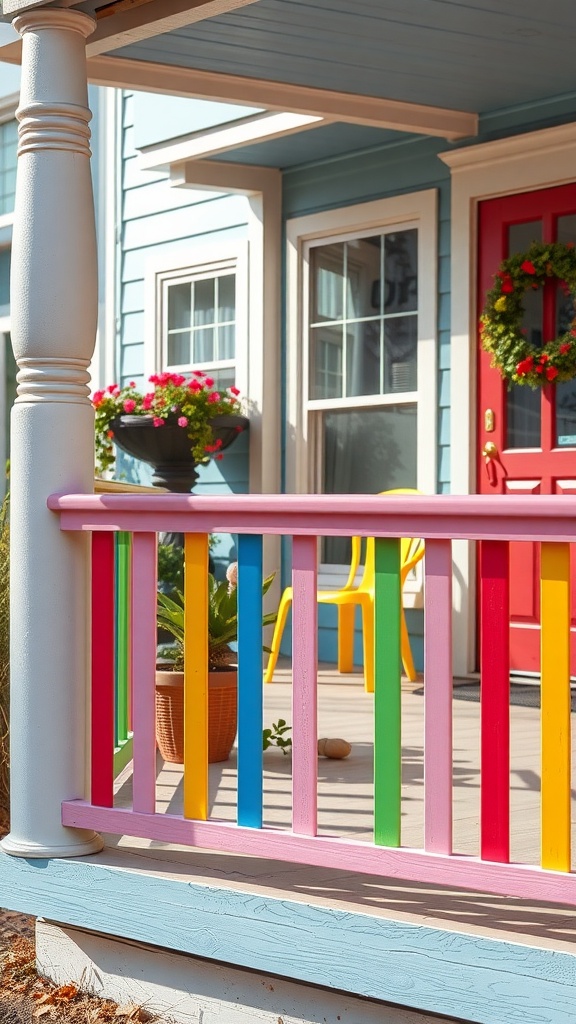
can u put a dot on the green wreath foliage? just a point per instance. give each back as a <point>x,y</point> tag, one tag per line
<point>502,335</point>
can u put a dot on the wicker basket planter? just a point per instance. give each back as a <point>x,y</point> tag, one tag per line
<point>222,714</point>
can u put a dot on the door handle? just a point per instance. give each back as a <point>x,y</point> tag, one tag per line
<point>491,456</point>
<point>490,451</point>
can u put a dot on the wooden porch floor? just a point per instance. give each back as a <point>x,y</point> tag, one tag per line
<point>345,808</point>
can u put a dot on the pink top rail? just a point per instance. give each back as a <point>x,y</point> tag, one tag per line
<point>442,517</point>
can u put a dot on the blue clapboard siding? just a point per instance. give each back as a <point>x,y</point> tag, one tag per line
<point>159,221</point>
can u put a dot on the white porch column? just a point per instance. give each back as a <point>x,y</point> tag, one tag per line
<point>54,310</point>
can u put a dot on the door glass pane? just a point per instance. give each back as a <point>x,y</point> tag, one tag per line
<point>226,341</point>
<point>565,314</point>
<point>523,404</point>
<point>367,451</point>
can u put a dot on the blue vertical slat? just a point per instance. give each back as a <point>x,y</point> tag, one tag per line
<point>250,681</point>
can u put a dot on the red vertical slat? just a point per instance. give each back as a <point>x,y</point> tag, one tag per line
<point>495,701</point>
<point>102,773</point>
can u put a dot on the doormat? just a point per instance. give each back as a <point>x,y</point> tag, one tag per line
<point>520,696</point>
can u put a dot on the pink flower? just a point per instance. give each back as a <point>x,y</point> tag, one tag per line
<point>213,396</point>
<point>129,405</point>
<point>132,384</point>
<point>153,379</point>
<point>178,380</point>
<point>234,391</point>
<point>198,373</point>
<point>209,382</point>
<point>147,400</point>
<point>112,388</point>
<point>182,421</point>
<point>195,385</point>
<point>97,398</point>
<point>158,421</point>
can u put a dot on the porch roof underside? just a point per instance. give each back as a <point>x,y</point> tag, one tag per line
<point>443,59</point>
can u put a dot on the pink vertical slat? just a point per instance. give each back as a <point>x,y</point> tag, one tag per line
<point>438,697</point>
<point>304,701</point>
<point>143,631</point>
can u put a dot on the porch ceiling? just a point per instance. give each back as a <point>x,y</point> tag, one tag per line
<point>469,55</point>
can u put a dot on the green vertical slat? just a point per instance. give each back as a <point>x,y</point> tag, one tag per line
<point>122,635</point>
<point>387,694</point>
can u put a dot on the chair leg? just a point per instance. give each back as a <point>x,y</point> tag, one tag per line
<point>368,646</point>
<point>346,615</point>
<point>283,610</point>
<point>407,659</point>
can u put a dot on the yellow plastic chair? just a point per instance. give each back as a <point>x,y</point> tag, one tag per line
<point>346,599</point>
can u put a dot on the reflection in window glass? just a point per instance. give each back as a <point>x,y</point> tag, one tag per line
<point>367,451</point>
<point>367,289</point>
<point>327,347</point>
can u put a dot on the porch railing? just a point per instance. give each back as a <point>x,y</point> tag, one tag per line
<point>493,521</point>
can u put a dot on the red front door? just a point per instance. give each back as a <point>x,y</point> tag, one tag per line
<point>534,432</point>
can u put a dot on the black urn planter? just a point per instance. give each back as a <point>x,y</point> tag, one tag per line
<point>167,448</point>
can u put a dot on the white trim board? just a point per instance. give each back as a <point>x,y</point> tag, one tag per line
<point>187,990</point>
<point>244,132</point>
<point>354,108</point>
<point>520,163</point>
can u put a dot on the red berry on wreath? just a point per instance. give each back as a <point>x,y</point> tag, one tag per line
<point>551,372</point>
<point>528,267</point>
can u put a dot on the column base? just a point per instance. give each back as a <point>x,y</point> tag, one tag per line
<point>19,848</point>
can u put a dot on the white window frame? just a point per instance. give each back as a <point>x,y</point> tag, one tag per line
<point>201,262</point>
<point>419,210</point>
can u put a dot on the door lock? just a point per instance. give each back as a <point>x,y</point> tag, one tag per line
<point>490,451</point>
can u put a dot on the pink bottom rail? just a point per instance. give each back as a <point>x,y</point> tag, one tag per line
<point>454,872</point>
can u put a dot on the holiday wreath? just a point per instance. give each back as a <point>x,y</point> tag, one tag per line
<point>501,321</point>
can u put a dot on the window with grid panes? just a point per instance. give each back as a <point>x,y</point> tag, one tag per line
<point>200,324</point>
<point>363,362</point>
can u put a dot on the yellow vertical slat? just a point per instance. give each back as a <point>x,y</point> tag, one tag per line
<point>196,676</point>
<point>555,696</point>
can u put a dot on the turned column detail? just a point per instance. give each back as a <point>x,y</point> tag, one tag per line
<point>54,315</point>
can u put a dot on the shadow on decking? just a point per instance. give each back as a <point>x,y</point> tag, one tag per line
<point>345,807</point>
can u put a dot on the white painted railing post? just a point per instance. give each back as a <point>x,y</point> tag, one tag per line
<point>54,309</point>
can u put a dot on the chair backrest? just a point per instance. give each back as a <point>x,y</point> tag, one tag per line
<point>411,551</point>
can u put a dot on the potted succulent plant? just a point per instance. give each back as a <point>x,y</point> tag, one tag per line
<point>222,675</point>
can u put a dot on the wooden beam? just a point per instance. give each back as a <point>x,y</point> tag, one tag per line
<point>154,18</point>
<point>374,111</point>
<point>226,137</point>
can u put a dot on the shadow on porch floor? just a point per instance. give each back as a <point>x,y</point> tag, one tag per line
<point>345,792</point>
